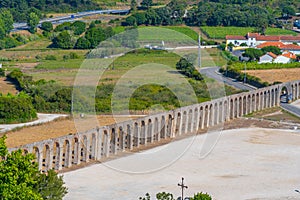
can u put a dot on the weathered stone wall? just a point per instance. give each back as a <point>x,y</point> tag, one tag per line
<point>99,143</point>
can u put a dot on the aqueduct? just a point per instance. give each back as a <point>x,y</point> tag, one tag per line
<point>103,142</point>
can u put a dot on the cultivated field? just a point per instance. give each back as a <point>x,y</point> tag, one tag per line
<point>282,75</point>
<point>221,32</point>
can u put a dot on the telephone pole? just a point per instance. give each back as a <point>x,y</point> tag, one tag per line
<point>182,187</point>
<point>199,51</point>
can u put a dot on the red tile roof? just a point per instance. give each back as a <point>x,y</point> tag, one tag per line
<point>290,47</point>
<point>267,38</point>
<point>280,45</point>
<point>289,55</point>
<point>235,37</point>
<point>266,44</point>
<point>272,55</point>
<point>290,38</point>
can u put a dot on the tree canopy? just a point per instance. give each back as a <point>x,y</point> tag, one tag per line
<point>21,179</point>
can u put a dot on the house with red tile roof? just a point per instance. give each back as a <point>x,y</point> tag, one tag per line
<point>255,39</point>
<point>270,57</point>
<point>293,48</point>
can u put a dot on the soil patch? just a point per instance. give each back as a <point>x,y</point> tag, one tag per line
<point>272,75</point>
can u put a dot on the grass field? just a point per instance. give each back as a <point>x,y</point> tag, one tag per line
<point>221,32</point>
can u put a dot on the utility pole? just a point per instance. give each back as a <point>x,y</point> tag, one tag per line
<point>245,73</point>
<point>182,187</point>
<point>199,51</point>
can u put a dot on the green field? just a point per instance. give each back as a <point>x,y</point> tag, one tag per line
<point>221,32</point>
<point>185,30</point>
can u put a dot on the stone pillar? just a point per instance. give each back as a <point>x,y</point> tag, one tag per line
<point>193,120</point>
<point>180,124</point>
<point>68,155</point>
<point>98,146</point>
<point>106,144</point>
<point>60,154</point>
<point>40,157</point>
<point>158,130</point>
<point>186,123</point>
<point>130,136</point>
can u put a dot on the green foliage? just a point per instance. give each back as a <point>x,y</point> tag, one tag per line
<point>253,54</point>
<point>201,196</point>
<point>147,3</point>
<point>47,26</point>
<point>186,68</point>
<point>220,32</point>
<point>82,43</point>
<point>21,179</point>
<point>7,19</point>
<point>50,186</point>
<point>50,57</point>
<point>164,196</point>
<point>130,21</point>
<point>78,27</point>
<point>272,49</point>
<point>62,27</point>
<point>16,109</point>
<point>32,22</point>
<point>63,40</point>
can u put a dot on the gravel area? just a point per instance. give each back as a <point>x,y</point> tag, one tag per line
<point>247,163</point>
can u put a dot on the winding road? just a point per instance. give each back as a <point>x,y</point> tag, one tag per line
<point>213,72</point>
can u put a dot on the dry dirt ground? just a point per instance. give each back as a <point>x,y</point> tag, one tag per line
<point>54,129</point>
<point>7,87</point>
<point>272,75</point>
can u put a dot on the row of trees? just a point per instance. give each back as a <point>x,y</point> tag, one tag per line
<point>169,196</point>
<point>22,8</point>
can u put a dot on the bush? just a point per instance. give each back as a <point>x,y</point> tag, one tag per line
<point>78,27</point>
<point>201,196</point>
<point>16,109</point>
<point>47,26</point>
<point>50,57</point>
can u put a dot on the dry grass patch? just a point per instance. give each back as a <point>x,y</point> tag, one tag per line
<point>272,75</point>
<point>7,87</point>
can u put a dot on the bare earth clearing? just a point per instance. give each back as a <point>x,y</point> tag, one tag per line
<point>7,87</point>
<point>245,164</point>
<point>272,75</point>
<point>57,128</point>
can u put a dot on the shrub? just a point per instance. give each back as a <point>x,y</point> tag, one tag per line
<point>50,57</point>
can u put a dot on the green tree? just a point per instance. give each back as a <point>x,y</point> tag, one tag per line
<point>47,26</point>
<point>272,49</point>
<point>201,196</point>
<point>82,43</point>
<point>32,22</point>
<point>130,21</point>
<point>78,27</point>
<point>133,5</point>
<point>20,178</point>
<point>147,3</point>
<point>8,20</point>
<point>253,54</point>
<point>164,196</point>
<point>63,40</point>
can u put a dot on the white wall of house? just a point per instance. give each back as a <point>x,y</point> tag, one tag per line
<point>265,59</point>
<point>282,59</point>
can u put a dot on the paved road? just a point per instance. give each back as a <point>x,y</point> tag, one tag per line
<point>42,118</point>
<point>212,72</point>
<point>69,17</point>
<point>291,108</point>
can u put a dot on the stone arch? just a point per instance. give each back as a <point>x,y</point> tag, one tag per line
<point>169,126</point>
<point>105,150</point>
<point>253,103</point>
<point>143,132</point>
<point>84,150</point>
<point>150,131</point>
<point>195,119</point>
<point>163,127</point>
<point>265,99</point>
<point>184,122</point>
<point>75,152</point>
<point>201,118</point>
<point>276,97</point>
<point>221,112</point>
<point>236,108</point>
<point>129,138</point>
<point>113,141</point>
<point>93,147</point>
<point>284,94</point>
<point>240,111</point>
<point>66,154</point>
<point>56,156</point>
<point>190,120</point>
<point>46,158</point>
<point>205,116</point>
<point>244,108</point>
<point>215,114</point>
<point>156,129</point>
<point>210,115</point>
<point>261,100</point>
<point>178,124</point>
<point>225,110</point>
<point>136,135</point>
<point>121,139</point>
<point>37,153</point>
<point>232,109</point>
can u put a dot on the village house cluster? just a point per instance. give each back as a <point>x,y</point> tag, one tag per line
<point>289,46</point>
